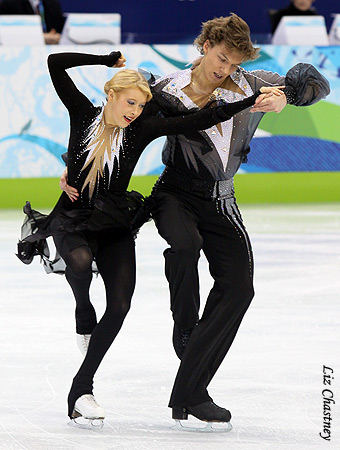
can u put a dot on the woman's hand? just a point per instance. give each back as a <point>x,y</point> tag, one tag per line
<point>121,62</point>
<point>272,99</point>
<point>70,191</point>
<point>196,62</point>
<point>112,60</point>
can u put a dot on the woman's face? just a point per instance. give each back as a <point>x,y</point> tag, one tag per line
<point>124,107</point>
<point>219,62</point>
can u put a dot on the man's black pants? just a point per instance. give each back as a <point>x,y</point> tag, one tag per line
<point>190,224</point>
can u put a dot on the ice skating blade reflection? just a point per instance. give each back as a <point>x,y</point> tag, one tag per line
<point>203,427</point>
<point>88,424</point>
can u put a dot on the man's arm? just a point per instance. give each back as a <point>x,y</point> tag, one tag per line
<point>304,87</point>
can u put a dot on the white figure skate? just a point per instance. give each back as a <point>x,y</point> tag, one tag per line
<point>87,413</point>
<point>83,341</point>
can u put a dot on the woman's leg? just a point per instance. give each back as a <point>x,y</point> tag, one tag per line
<point>79,276</point>
<point>116,264</point>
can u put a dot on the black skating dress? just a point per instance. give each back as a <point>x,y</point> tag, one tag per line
<point>109,206</point>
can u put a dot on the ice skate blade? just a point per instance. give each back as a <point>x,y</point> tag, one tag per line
<point>210,427</point>
<point>87,424</point>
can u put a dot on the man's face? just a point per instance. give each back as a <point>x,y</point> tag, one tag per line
<point>219,62</point>
<point>303,5</point>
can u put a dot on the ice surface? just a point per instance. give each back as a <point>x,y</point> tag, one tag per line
<point>271,380</point>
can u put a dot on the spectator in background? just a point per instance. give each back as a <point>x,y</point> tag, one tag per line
<point>52,18</point>
<point>295,8</point>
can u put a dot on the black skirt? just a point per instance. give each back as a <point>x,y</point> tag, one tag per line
<point>126,212</point>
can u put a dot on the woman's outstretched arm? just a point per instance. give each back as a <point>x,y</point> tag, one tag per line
<point>204,118</point>
<point>58,63</point>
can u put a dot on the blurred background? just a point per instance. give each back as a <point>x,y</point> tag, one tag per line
<point>295,155</point>
<point>179,20</point>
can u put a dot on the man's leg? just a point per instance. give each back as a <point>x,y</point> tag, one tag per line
<point>177,224</point>
<point>227,248</point>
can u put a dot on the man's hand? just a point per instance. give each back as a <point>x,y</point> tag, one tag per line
<point>269,103</point>
<point>70,191</point>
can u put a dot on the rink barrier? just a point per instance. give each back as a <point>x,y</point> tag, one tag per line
<point>257,188</point>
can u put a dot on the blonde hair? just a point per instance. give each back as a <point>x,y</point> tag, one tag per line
<point>102,139</point>
<point>128,79</point>
<point>232,31</point>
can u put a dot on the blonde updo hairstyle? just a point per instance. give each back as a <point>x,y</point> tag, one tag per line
<point>128,79</point>
<point>232,31</point>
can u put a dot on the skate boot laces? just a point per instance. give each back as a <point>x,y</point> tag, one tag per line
<point>83,341</point>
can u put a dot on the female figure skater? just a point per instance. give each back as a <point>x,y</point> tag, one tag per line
<point>104,146</point>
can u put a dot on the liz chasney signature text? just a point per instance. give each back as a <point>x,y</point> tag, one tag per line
<point>328,403</point>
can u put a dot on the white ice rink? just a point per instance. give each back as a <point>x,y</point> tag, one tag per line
<point>271,380</point>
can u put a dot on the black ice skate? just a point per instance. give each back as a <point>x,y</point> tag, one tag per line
<point>206,412</point>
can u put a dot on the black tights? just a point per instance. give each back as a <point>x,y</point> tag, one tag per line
<point>79,276</point>
<point>115,258</point>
